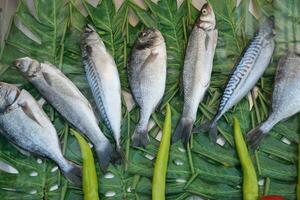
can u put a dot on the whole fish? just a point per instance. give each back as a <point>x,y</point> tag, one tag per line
<point>147,78</point>
<point>103,78</point>
<point>26,125</point>
<point>249,68</point>
<point>197,70</point>
<point>66,98</point>
<point>285,98</point>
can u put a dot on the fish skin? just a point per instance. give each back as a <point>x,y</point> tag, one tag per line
<point>285,97</point>
<point>147,72</point>
<point>66,98</point>
<point>197,70</point>
<point>249,68</point>
<point>26,125</point>
<point>103,78</point>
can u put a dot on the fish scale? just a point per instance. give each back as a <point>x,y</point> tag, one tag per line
<point>285,97</point>
<point>242,69</point>
<point>67,99</point>
<point>93,80</point>
<point>104,81</point>
<point>250,67</point>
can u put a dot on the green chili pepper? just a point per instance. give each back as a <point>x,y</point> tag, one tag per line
<point>298,185</point>
<point>89,175</point>
<point>161,163</point>
<point>250,184</point>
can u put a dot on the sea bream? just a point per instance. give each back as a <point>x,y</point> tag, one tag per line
<point>285,98</point>
<point>197,70</point>
<point>147,72</point>
<point>249,68</point>
<point>103,78</point>
<point>26,125</point>
<point>66,98</point>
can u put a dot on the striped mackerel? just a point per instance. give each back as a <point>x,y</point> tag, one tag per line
<point>103,78</point>
<point>249,68</point>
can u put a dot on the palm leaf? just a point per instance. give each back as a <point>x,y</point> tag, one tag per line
<point>50,31</point>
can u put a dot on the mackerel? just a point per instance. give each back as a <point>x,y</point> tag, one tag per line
<point>103,78</point>
<point>26,125</point>
<point>66,98</point>
<point>249,68</point>
<point>197,70</point>
<point>285,98</point>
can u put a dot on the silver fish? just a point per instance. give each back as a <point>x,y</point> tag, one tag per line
<point>197,70</point>
<point>249,68</point>
<point>103,78</point>
<point>147,78</point>
<point>285,98</point>
<point>26,125</point>
<point>66,98</point>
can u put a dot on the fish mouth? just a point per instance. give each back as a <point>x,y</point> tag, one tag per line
<point>89,29</point>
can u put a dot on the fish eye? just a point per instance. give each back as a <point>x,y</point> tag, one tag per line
<point>204,12</point>
<point>144,34</point>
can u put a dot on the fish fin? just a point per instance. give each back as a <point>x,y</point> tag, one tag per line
<point>213,131</point>
<point>202,128</point>
<point>206,41</point>
<point>140,138</point>
<point>255,136</point>
<point>41,102</point>
<point>181,90</point>
<point>20,149</point>
<point>105,155</point>
<point>27,110</point>
<point>183,131</point>
<point>152,56</point>
<point>119,156</point>
<point>73,173</point>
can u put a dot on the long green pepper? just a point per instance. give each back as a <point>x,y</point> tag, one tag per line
<point>250,184</point>
<point>161,163</point>
<point>89,175</point>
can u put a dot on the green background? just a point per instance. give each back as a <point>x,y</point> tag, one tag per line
<point>204,169</point>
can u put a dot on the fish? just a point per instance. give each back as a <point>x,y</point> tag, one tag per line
<point>251,65</point>
<point>197,70</point>
<point>285,97</point>
<point>147,71</point>
<point>24,123</point>
<point>67,99</point>
<point>103,78</point>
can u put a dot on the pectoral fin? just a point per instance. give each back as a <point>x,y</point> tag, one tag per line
<point>152,56</point>
<point>27,110</point>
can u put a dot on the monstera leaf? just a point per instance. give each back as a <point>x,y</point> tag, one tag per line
<point>50,31</point>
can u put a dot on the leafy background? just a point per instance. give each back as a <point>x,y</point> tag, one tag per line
<point>207,170</point>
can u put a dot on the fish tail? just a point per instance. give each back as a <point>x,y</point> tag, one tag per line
<point>72,172</point>
<point>183,130</point>
<point>119,155</point>
<point>203,127</point>
<point>140,137</point>
<point>105,154</point>
<point>210,126</point>
<point>213,131</point>
<point>255,136</point>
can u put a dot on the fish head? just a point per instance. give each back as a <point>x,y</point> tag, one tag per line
<point>207,20</point>
<point>8,95</point>
<point>149,37</point>
<point>268,26</point>
<point>90,36</point>
<point>28,66</point>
